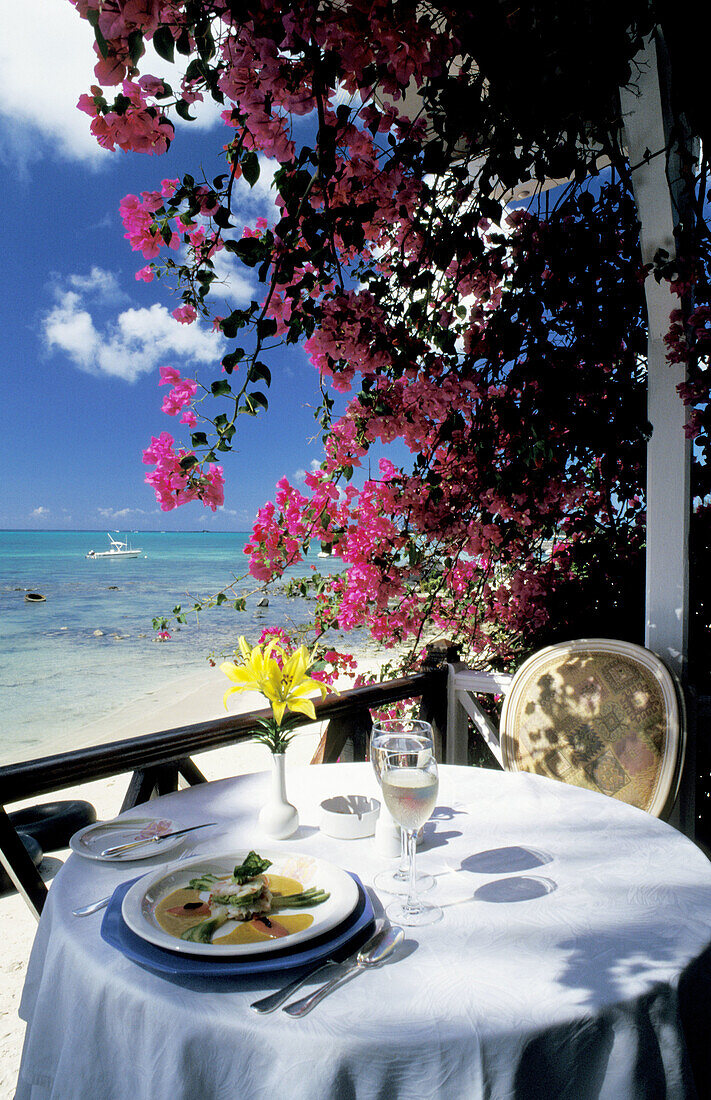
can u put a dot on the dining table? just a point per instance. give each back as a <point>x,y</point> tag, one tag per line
<point>572,960</point>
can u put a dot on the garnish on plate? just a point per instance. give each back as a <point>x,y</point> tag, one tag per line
<point>245,896</point>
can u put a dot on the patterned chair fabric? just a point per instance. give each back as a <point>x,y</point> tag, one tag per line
<point>601,714</point>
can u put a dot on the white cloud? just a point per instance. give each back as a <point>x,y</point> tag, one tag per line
<point>250,203</point>
<point>41,83</point>
<point>134,343</point>
<point>121,513</point>
<point>40,511</point>
<point>99,283</point>
<point>234,283</point>
<point>42,75</point>
<point>300,475</point>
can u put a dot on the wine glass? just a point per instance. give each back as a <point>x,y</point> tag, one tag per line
<point>409,782</point>
<point>399,734</point>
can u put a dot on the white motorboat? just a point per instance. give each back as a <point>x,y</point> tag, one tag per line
<point>116,550</point>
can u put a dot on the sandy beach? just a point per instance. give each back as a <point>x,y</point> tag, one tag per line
<point>175,705</point>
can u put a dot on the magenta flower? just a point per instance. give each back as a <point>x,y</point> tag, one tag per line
<point>185,314</point>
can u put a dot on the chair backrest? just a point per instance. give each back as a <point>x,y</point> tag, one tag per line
<point>598,713</point>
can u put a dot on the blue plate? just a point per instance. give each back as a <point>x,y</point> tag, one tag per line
<point>350,933</point>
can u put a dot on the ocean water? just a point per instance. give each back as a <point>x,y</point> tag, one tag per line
<point>57,675</point>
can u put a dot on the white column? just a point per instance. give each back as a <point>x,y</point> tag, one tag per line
<point>656,184</point>
<point>669,452</point>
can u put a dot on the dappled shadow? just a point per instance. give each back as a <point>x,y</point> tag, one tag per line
<point>596,720</point>
<point>608,967</point>
<point>572,1060</point>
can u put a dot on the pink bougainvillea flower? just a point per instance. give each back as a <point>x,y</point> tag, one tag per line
<point>185,314</point>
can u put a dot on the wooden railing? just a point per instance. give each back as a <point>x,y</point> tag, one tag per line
<point>158,760</point>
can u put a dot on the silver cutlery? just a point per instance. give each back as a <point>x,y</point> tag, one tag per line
<point>372,954</point>
<point>274,1000</point>
<point>118,848</point>
<point>95,906</point>
<point>86,910</point>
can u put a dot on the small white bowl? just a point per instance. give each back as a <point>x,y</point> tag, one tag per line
<point>349,816</point>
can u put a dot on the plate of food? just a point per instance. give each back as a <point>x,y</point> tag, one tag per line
<point>342,940</point>
<point>239,904</point>
<point>93,840</point>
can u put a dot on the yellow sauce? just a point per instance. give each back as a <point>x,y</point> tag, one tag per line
<point>172,923</point>
<point>279,884</point>
<point>175,924</point>
<point>247,933</point>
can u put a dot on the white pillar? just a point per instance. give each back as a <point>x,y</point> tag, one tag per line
<point>669,451</point>
<point>657,185</point>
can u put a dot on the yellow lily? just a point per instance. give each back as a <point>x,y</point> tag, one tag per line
<point>282,679</point>
<point>253,674</point>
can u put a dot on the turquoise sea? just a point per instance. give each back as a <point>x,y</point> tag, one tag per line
<point>57,674</point>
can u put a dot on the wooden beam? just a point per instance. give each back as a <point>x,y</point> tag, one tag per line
<point>19,866</point>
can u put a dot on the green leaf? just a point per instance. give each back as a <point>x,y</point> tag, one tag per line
<point>260,372</point>
<point>135,46</point>
<point>164,43</point>
<point>250,168</point>
<point>183,109</point>
<point>188,462</point>
<point>101,42</point>
<point>230,361</point>
<point>250,250</point>
<point>198,439</point>
<point>194,71</point>
<point>257,400</point>
<point>221,388</point>
<point>266,327</point>
<point>222,219</point>
<point>182,43</point>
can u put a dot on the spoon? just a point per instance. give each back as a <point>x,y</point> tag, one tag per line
<point>86,910</point>
<point>375,952</point>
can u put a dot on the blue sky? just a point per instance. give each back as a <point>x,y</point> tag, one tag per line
<point>82,340</point>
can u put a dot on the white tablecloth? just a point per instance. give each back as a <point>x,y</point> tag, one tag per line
<point>571,962</point>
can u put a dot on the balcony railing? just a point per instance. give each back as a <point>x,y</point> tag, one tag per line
<point>157,761</point>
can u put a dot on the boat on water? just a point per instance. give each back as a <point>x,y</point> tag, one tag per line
<point>116,550</point>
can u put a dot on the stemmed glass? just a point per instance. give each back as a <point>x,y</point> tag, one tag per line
<point>410,782</point>
<point>399,734</point>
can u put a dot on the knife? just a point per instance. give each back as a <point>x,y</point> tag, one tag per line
<point>274,1000</point>
<point>152,839</point>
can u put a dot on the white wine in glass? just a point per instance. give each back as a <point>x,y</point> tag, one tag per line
<point>410,782</point>
<point>403,735</point>
<point>410,795</point>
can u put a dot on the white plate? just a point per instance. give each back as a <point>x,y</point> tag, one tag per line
<point>94,839</point>
<point>139,904</point>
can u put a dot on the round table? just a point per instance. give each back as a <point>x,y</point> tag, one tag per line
<point>571,961</point>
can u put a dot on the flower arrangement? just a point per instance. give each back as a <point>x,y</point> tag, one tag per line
<point>283,679</point>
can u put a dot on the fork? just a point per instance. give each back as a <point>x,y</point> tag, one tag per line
<point>95,906</point>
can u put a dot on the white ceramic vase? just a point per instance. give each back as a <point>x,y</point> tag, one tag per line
<point>278,818</point>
